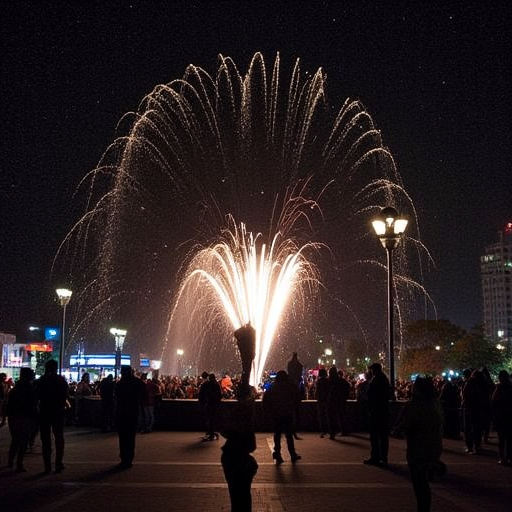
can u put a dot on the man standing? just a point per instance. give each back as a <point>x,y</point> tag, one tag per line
<point>339,390</point>
<point>52,395</point>
<point>280,401</point>
<point>295,369</point>
<point>210,397</point>
<point>322,397</point>
<point>379,392</point>
<point>237,462</point>
<point>129,395</point>
<point>107,403</point>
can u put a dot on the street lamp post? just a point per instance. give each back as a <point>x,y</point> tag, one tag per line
<point>119,336</point>
<point>64,297</point>
<point>180,353</point>
<point>389,227</point>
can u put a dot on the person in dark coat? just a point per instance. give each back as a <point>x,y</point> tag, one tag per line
<point>422,424</point>
<point>237,462</point>
<point>52,395</point>
<point>501,403</point>
<point>321,397</point>
<point>450,403</point>
<point>210,396</point>
<point>339,390</point>
<point>280,401</point>
<point>475,407</point>
<point>295,371</point>
<point>107,403</point>
<point>129,394</point>
<point>379,392</point>
<point>22,414</point>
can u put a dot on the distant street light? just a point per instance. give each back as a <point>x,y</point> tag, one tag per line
<point>389,227</point>
<point>119,336</point>
<point>180,353</point>
<point>64,297</point>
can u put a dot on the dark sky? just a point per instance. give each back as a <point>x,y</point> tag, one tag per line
<point>435,76</point>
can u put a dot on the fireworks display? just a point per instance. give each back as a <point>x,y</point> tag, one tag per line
<point>229,199</point>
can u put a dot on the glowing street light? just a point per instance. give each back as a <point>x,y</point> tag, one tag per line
<point>64,297</point>
<point>389,228</point>
<point>180,353</point>
<point>119,336</point>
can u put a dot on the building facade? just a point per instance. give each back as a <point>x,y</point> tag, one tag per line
<point>496,272</point>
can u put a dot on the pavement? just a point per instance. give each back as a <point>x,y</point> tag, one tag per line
<point>177,471</point>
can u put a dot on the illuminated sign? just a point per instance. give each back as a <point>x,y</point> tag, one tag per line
<point>52,333</point>
<point>39,347</point>
<point>98,360</point>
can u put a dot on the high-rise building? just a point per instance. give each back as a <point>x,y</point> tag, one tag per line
<point>496,271</point>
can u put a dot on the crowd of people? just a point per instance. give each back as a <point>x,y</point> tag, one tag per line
<point>475,406</point>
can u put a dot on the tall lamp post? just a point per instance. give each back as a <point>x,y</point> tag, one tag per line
<point>389,227</point>
<point>119,336</point>
<point>180,353</point>
<point>64,297</point>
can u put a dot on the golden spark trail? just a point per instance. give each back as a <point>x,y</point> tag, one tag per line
<point>252,286</point>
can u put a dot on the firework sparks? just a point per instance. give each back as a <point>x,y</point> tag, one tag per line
<point>251,282</point>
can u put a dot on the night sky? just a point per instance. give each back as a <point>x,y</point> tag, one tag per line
<point>435,76</point>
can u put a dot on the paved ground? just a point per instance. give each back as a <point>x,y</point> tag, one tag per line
<point>176,471</point>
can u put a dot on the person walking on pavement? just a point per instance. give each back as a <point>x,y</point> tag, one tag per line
<point>422,424</point>
<point>238,464</point>
<point>129,394</point>
<point>210,396</point>
<point>52,396</point>
<point>379,392</point>
<point>280,401</point>
<point>22,414</point>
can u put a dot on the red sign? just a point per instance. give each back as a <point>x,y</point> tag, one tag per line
<point>39,347</point>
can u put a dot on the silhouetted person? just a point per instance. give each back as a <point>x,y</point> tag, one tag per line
<point>321,397</point>
<point>475,407</point>
<point>107,403</point>
<point>128,394</point>
<point>362,401</point>
<point>379,392</point>
<point>83,389</point>
<point>210,396</point>
<point>237,462</point>
<point>280,401</point>
<point>22,414</point>
<point>339,390</point>
<point>489,386</point>
<point>422,425</point>
<point>450,403</point>
<point>502,416</point>
<point>295,371</point>
<point>52,395</point>
<point>148,405</point>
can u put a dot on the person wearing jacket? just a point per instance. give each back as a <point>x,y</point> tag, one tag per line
<point>52,395</point>
<point>238,464</point>
<point>280,402</point>
<point>22,415</point>
<point>422,424</point>
<point>501,403</point>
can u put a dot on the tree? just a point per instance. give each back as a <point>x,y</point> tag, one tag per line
<point>474,350</point>
<point>431,333</point>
